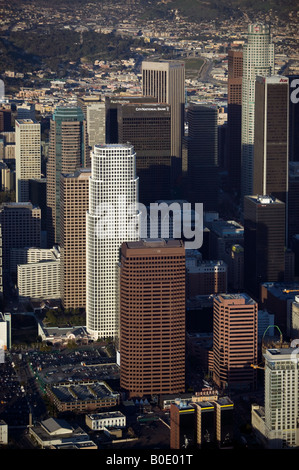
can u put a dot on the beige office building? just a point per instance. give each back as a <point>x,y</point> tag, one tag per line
<point>166,82</point>
<point>28,156</point>
<point>74,190</point>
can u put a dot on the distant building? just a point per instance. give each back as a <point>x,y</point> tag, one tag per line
<point>206,278</point>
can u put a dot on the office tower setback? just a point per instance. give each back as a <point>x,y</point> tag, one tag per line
<point>152,317</point>
<point>147,126</point>
<point>74,192</point>
<point>203,155</point>
<point>275,423</point>
<point>235,330</point>
<point>28,156</point>
<point>111,220</point>
<point>258,59</point>
<point>113,105</point>
<point>68,151</point>
<point>166,82</point>
<point>234,117</point>
<point>264,241</point>
<point>270,175</point>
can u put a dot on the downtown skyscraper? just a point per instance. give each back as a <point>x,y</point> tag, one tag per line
<point>165,81</point>
<point>28,156</point>
<point>258,59</point>
<point>68,151</point>
<point>112,219</point>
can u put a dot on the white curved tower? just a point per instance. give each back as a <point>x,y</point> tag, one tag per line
<point>112,219</point>
<point>258,59</point>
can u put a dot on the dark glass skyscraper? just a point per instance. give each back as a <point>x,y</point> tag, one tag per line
<point>68,151</point>
<point>264,241</point>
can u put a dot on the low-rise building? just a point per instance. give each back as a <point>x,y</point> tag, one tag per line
<point>100,421</point>
<point>59,434</point>
<point>82,396</point>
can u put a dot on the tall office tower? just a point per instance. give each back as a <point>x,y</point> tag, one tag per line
<point>113,105</point>
<point>28,156</point>
<point>74,193</point>
<point>234,117</point>
<point>87,100</point>
<point>152,317</point>
<point>203,155</point>
<point>68,151</point>
<point>235,331</point>
<point>276,423</point>
<point>96,123</point>
<point>166,82</point>
<point>264,241</point>
<point>270,169</point>
<point>294,118</point>
<point>94,111</point>
<point>258,59</point>
<point>111,220</point>
<point>21,227</point>
<point>293,201</point>
<point>147,126</point>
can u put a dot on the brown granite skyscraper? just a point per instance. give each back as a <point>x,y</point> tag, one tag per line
<point>234,341</point>
<point>74,190</point>
<point>152,317</point>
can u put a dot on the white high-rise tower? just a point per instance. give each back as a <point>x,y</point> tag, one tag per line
<point>112,219</point>
<point>258,59</point>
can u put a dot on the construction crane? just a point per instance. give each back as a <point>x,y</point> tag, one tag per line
<point>257,366</point>
<point>287,291</point>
